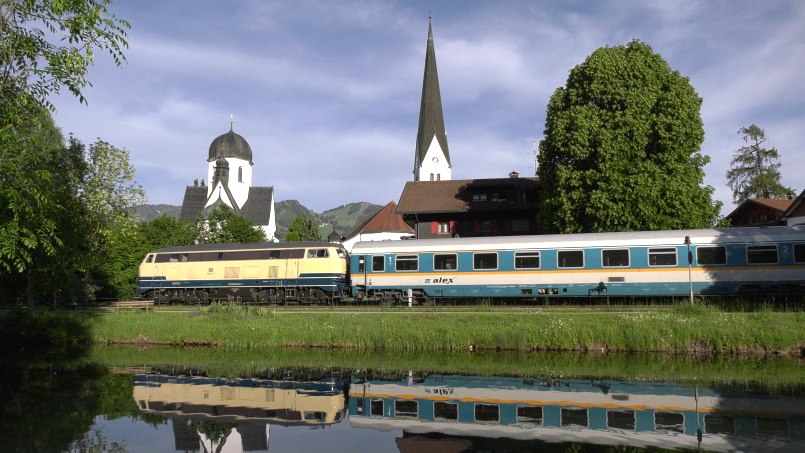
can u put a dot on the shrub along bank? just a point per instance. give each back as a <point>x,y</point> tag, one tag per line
<point>683,329</point>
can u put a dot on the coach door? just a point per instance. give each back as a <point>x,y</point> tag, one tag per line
<point>361,277</point>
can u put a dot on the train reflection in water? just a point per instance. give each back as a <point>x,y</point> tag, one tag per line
<point>471,412</point>
<point>244,407</point>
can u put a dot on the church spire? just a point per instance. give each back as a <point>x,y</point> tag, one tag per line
<point>431,119</point>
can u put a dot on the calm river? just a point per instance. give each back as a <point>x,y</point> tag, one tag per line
<point>129,400</point>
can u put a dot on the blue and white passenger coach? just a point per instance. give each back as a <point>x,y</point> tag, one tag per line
<point>722,262</point>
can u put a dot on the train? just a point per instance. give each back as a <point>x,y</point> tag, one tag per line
<point>677,263</point>
<point>531,413</point>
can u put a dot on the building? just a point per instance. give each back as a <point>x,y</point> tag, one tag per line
<point>759,212</point>
<point>471,207</point>
<point>432,156</point>
<point>229,172</point>
<point>384,225</point>
<point>795,214</point>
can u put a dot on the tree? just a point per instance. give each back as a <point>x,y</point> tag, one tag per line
<point>303,228</point>
<point>754,170</point>
<point>622,148</point>
<point>33,65</point>
<point>223,226</point>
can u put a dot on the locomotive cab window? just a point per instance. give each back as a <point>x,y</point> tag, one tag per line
<point>570,258</point>
<point>149,259</point>
<point>761,254</point>
<point>526,260</point>
<point>407,263</point>
<point>317,253</point>
<point>484,261</point>
<point>662,257</point>
<point>378,263</point>
<point>615,258</point>
<point>799,253</point>
<point>445,262</point>
<point>711,255</point>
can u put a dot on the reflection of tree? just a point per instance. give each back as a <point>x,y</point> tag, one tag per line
<point>96,442</point>
<point>52,408</point>
<point>216,434</point>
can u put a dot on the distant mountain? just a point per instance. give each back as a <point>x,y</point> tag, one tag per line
<point>343,218</point>
<point>148,212</point>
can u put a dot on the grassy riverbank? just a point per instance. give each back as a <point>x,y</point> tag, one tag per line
<point>682,329</point>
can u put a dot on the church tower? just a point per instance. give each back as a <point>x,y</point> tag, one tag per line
<point>432,157</point>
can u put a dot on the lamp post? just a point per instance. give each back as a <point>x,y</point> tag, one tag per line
<point>690,277</point>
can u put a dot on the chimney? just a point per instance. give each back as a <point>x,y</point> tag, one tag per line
<point>514,175</point>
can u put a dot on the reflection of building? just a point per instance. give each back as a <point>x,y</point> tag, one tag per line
<point>522,413</point>
<point>229,174</point>
<point>237,409</point>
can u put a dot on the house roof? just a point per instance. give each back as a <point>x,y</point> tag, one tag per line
<point>458,195</point>
<point>797,206</point>
<point>775,204</point>
<point>386,220</point>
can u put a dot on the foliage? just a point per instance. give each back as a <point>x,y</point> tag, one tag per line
<point>754,170</point>
<point>48,45</point>
<point>622,148</point>
<point>27,188</point>
<point>222,225</point>
<point>166,231</point>
<point>303,229</point>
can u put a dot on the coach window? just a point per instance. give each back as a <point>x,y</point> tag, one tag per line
<point>526,260</point>
<point>487,413</point>
<point>615,258</point>
<point>799,253</point>
<point>662,257</point>
<point>444,262</point>
<point>376,407</point>
<point>407,263</point>
<point>406,408</point>
<point>485,261</point>
<point>621,419</point>
<point>572,416</point>
<point>711,255</point>
<point>570,258</point>
<point>669,421</point>
<point>445,411</point>
<point>761,254</point>
<point>378,263</point>
<point>529,414</point>
<point>719,424</point>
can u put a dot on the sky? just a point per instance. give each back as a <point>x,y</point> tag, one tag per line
<point>327,93</point>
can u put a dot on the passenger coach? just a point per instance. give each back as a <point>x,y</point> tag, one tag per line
<point>654,264</point>
<point>264,272</point>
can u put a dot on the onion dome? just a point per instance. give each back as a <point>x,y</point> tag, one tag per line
<point>230,145</point>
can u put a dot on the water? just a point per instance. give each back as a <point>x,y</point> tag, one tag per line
<point>84,403</point>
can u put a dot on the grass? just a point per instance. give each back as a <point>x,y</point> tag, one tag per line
<point>682,329</point>
<point>775,372</point>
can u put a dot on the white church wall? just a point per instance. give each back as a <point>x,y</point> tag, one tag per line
<point>434,163</point>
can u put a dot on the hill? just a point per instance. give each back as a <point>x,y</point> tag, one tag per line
<point>343,218</point>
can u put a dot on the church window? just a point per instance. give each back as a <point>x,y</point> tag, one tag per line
<point>240,174</point>
<point>431,176</point>
<point>438,176</point>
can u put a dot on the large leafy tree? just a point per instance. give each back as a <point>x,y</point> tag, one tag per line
<point>45,46</point>
<point>622,148</point>
<point>755,171</point>
<point>303,228</point>
<point>222,225</point>
<point>49,45</point>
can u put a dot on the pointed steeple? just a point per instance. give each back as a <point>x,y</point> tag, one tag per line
<point>431,119</point>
